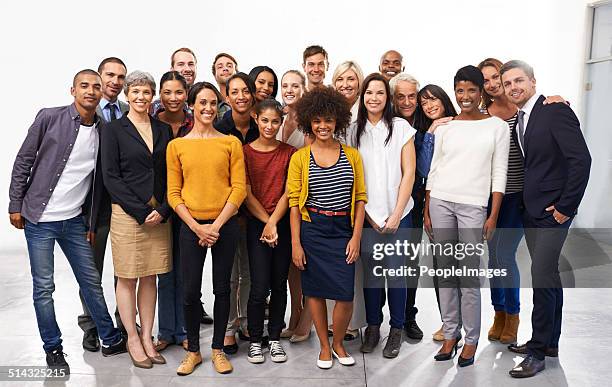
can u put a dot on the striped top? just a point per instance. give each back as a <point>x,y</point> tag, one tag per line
<point>330,188</point>
<point>516,172</point>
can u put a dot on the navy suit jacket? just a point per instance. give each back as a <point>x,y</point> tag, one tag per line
<point>557,160</point>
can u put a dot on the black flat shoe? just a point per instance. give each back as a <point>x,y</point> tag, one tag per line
<point>412,330</point>
<point>230,349</point>
<point>205,318</point>
<point>444,356</point>
<point>91,342</point>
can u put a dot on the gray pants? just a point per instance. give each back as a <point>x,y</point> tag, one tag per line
<point>240,284</point>
<point>457,224</point>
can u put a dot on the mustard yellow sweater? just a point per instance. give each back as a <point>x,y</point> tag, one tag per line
<point>205,174</point>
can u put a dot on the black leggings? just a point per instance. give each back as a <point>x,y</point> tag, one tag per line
<point>269,269</point>
<point>192,260</point>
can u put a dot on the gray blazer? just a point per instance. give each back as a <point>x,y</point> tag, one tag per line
<point>124,107</point>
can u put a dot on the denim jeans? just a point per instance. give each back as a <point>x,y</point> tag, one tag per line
<point>505,294</point>
<point>170,315</point>
<point>395,293</point>
<point>71,236</point>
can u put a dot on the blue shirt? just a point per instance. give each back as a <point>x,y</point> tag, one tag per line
<point>106,110</point>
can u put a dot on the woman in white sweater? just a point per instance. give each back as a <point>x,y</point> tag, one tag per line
<point>469,164</point>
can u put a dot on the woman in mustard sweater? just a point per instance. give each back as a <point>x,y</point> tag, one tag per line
<point>326,191</point>
<point>206,185</point>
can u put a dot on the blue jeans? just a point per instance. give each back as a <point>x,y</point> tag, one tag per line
<point>71,236</point>
<point>171,317</point>
<point>505,294</point>
<point>395,294</point>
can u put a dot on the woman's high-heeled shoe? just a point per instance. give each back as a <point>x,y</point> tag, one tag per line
<point>464,362</point>
<point>297,338</point>
<point>158,359</point>
<point>147,363</point>
<point>443,356</point>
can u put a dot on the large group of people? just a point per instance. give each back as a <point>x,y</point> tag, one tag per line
<point>281,193</point>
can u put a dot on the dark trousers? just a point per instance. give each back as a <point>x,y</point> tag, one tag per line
<point>192,260</point>
<point>545,239</point>
<point>269,269</point>
<point>85,321</point>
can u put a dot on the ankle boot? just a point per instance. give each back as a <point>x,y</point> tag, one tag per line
<point>510,330</point>
<point>498,325</point>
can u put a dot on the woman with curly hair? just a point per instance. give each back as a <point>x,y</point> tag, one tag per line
<point>326,191</point>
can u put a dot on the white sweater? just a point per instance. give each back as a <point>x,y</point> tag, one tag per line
<point>470,161</point>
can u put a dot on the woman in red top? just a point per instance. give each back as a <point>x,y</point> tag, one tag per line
<point>268,233</point>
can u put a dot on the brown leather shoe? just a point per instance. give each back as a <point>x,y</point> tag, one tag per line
<point>497,328</point>
<point>508,335</point>
<point>189,363</point>
<point>220,362</point>
<point>147,363</point>
<point>186,345</point>
<point>160,345</point>
<point>522,349</point>
<point>157,359</point>
<point>439,334</point>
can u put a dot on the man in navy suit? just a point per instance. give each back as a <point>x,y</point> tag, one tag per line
<point>557,164</point>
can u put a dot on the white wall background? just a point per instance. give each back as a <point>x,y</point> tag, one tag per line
<point>44,43</point>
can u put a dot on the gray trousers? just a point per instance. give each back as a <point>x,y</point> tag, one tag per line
<point>458,224</point>
<point>240,284</point>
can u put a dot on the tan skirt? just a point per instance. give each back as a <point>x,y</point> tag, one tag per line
<point>139,251</point>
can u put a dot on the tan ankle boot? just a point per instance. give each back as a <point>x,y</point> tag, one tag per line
<point>189,363</point>
<point>509,333</point>
<point>221,363</point>
<point>498,325</point>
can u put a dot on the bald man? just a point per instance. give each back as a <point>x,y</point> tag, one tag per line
<point>391,64</point>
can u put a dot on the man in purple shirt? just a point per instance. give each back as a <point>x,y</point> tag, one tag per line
<point>54,196</point>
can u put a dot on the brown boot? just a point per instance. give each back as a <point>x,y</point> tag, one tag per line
<point>509,333</point>
<point>498,326</point>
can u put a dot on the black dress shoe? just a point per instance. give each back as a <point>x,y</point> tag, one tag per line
<point>412,330</point>
<point>522,349</point>
<point>115,349</point>
<point>91,341</point>
<point>529,367</point>
<point>56,360</point>
<point>205,319</point>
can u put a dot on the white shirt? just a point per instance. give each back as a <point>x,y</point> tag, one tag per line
<point>73,185</point>
<point>296,139</point>
<point>382,166</point>
<point>527,108</point>
<point>470,161</point>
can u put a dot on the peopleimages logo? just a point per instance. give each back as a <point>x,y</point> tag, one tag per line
<point>411,250</point>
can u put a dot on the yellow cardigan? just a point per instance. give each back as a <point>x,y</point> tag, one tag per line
<point>297,180</point>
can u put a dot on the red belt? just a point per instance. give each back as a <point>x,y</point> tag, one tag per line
<point>328,213</point>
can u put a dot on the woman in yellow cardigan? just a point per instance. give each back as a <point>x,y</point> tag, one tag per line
<point>326,191</point>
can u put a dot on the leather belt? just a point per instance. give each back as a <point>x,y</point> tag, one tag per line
<point>328,213</point>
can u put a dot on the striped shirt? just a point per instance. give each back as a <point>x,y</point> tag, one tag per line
<point>516,172</point>
<point>330,188</point>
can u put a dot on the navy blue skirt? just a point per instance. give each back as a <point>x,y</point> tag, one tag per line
<point>326,273</point>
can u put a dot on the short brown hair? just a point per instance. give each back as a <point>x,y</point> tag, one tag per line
<point>111,59</point>
<point>182,49</point>
<point>221,55</point>
<point>313,50</point>
<point>517,64</point>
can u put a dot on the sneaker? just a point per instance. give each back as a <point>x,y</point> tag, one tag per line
<point>220,362</point>
<point>394,342</point>
<point>189,363</point>
<point>370,339</point>
<point>277,353</point>
<point>114,349</point>
<point>55,359</point>
<point>412,330</point>
<point>255,355</point>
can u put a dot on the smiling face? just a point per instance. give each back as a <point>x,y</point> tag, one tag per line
<point>87,91</point>
<point>113,78</point>
<point>173,96</point>
<point>468,96</point>
<point>432,106</point>
<point>323,127</point>
<point>224,69</point>
<point>264,85</point>
<point>205,107</point>
<point>375,97</point>
<point>405,99</point>
<point>518,86</point>
<point>390,64</point>
<point>268,122</point>
<point>315,67</point>
<point>239,97</point>
<point>291,88</point>
<point>492,82</point>
<point>347,84</point>
<point>185,64</point>
<point>139,97</point>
